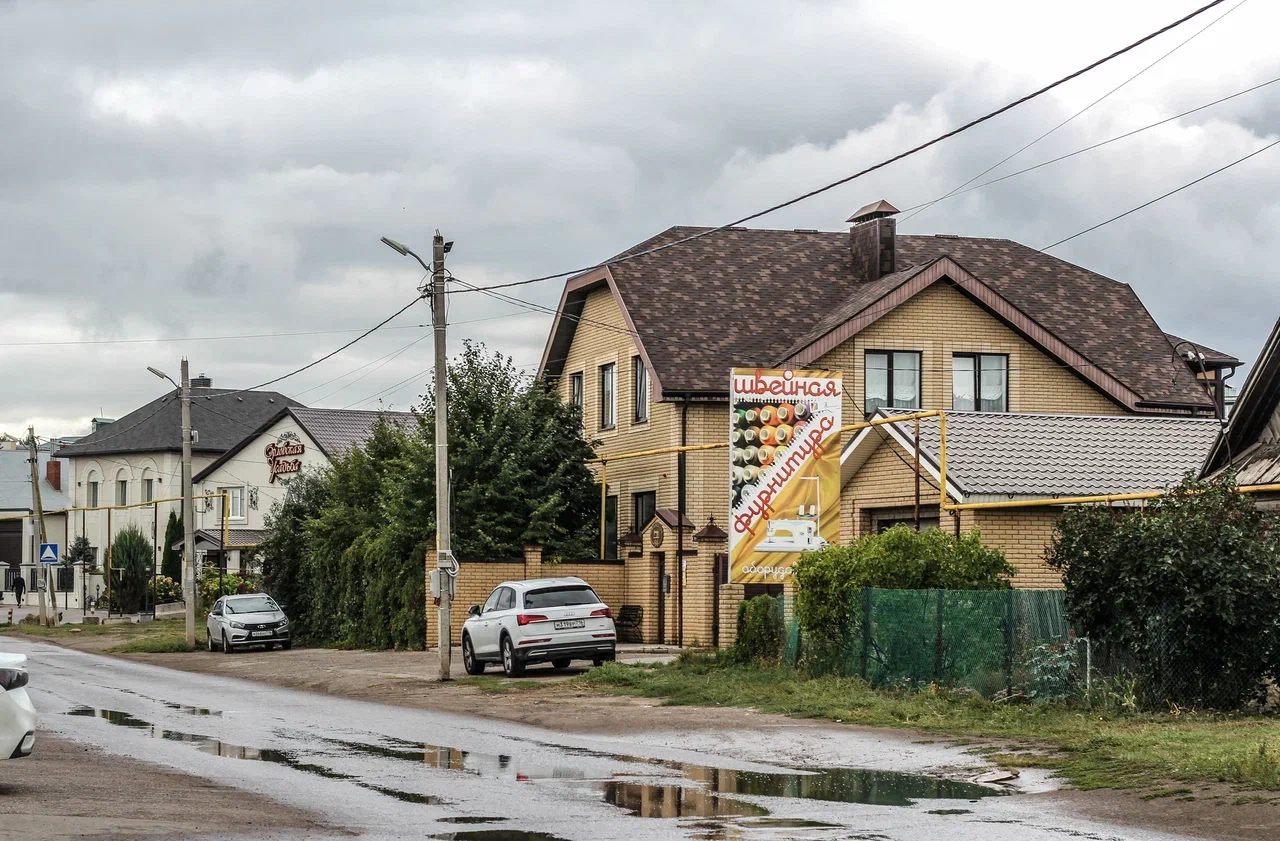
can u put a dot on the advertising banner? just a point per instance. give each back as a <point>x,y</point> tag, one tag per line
<point>784,485</point>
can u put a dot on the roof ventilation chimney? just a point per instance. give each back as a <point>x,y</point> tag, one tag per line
<point>872,241</point>
<point>202,381</point>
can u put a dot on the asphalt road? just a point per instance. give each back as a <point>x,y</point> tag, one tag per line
<point>384,772</point>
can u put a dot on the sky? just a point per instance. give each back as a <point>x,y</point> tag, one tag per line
<point>172,174</point>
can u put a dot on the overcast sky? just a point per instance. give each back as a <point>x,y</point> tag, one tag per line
<point>192,170</point>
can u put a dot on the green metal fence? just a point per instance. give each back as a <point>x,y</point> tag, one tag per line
<point>994,642</point>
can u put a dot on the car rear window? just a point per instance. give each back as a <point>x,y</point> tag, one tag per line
<point>560,597</point>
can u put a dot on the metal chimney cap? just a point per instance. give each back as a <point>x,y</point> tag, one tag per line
<point>875,210</point>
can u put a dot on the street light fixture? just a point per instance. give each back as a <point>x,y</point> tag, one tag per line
<point>188,503</point>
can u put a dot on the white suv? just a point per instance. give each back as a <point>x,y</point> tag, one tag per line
<point>548,619</point>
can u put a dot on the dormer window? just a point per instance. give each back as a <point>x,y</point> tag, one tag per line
<point>980,382</point>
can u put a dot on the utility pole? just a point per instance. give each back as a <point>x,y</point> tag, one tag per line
<point>38,508</point>
<point>444,554</point>
<point>188,512</point>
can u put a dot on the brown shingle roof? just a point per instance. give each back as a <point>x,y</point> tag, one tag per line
<point>1212,358</point>
<point>751,297</point>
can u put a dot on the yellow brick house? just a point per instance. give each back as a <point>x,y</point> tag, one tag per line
<point>645,344</point>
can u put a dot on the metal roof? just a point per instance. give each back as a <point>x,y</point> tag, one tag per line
<point>336,431</point>
<point>15,482</point>
<point>1053,455</point>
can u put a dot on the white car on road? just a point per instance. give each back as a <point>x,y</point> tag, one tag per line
<point>17,716</point>
<point>556,620</point>
<point>248,619</point>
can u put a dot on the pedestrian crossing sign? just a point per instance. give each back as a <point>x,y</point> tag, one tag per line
<point>48,553</point>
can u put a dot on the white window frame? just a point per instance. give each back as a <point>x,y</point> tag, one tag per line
<point>609,406</point>
<point>640,378</point>
<point>93,492</point>
<point>122,491</point>
<point>148,490</point>
<point>235,502</point>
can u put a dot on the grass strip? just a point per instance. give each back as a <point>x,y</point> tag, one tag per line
<point>1091,748</point>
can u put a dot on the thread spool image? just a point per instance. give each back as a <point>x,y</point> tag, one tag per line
<point>803,412</point>
<point>752,416</point>
<point>738,476</point>
<point>782,435</point>
<point>740,417</point>
<point>765,455</point>
<point>752,455</point>
<point>769,416</point>
<point>780,454</point>
<point>740,456</point>
<point>750,436</point>
<point>736,438</point>
<point>750,474</point>
<point>769,435</point>
<point>786,413</point>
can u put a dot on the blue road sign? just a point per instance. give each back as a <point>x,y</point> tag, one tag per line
<point>49,553</point>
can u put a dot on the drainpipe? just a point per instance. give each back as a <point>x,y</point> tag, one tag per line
<point>680,506</point>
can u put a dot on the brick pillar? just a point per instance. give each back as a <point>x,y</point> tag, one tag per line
<point>532,561</point>
<point>433,630</point>
<point>730,596</point>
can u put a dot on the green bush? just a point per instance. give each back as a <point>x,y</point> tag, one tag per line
<point>170,558</point>
<point>831,579</point>
<point>760,631</point>
<point>1188,588</point>
<point>213,586</point>
<point>131,558</point>
<point>164,589</point>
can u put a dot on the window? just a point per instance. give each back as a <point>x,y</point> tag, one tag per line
<point>93,494</point>
<point>122,492</point>
<point>575,389</point>
<point>643,506</point>
<point>491,603</point>
<point>235,503</point>
<point>611,528</point>
<point>560,597</point>
<point>980,382</point>
<point>641,378</point>
<point>926,523</point>
<point>893,380</point>
<point>148,490</point>
<point>506,599</point>
<point>608,396</point>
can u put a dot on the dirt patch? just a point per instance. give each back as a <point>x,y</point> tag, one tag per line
<point>1207,811</point>
<point>67,790</point>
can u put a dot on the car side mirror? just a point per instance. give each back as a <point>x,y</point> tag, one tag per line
<point>474,610</point>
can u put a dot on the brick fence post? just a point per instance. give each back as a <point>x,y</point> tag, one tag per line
<point>532,561</point>
<point>429,602</point>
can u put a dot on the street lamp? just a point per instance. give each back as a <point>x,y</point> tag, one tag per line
<point>188,504</point>
<point>446,567</point>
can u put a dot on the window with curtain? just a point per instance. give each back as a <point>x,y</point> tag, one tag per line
<point>980,382</point>
<point>608,396</point>
<point>892,380</point>
<point>235,503</point>
<point>641,380</point>
<point>122,492</point>
<point>575,389</point>
<point>148,490</point>
<point>93,494</point>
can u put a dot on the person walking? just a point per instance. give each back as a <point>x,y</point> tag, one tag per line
<point>19,589</point>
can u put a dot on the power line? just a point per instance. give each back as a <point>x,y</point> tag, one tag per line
<point>375,369</point>
<point>1010,157</point>
<point>1162,197</point>
<point>299,394</point>
<point>1093,146</point>
<point>845,180</point>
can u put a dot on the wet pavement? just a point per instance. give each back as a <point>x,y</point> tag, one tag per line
<point>388,772</point>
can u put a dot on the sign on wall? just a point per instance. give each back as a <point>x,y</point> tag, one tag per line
<point>784,485</point>
<point>284,456</point>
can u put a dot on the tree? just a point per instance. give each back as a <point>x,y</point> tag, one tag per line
<point>284,550</point>
<point>171,559</point>
<point>1188,588</point>
<point>131,554</point>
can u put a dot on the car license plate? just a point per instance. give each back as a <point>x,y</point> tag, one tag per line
<point>569,624</point>
<point>259,633</point>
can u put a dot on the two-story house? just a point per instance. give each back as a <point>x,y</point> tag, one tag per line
<point>966,324</point>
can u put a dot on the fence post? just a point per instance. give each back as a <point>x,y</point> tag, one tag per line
<point>866,629</point>
<point>1009,621</point>
<point>937,639</point>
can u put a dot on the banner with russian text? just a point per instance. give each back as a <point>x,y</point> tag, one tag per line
<point>784,464</point>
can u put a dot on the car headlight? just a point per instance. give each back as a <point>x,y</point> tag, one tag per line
<point>239,625</point>
<point>284,623</point>
<point>13,678</point>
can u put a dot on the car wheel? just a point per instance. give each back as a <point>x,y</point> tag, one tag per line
<point>562,663</point>
<point>208,641</point>
<point>285,646</point>
<point>511,667</point>
<point>469,661</point>
<point>226,644</point>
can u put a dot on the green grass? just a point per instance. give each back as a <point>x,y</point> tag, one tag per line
<point>1090,748</point>
<point>157,645</point>
<point>165,635</point>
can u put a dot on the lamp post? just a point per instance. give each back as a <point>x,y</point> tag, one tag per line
<point>188,506</point>
<point>445,564</point>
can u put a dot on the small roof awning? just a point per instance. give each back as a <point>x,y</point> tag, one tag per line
<point>211,539</point>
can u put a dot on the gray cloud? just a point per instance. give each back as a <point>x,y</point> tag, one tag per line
<point>186,169</point>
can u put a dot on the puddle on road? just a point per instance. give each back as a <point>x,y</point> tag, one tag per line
<point>470,819</point>
<point>217,747</point>
<point>841,785</point>
<point>655,801</point>
<point>498,835</point>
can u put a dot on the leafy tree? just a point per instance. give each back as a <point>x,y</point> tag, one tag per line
<point>1189,588</point>
<point>131,554</point>
<point>80,552</point>
<point>284,551</point>
<point>171,559</point>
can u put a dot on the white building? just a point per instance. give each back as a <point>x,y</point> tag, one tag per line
<point>130,472</point>
<point>19,540</point>
<point>255,473</point>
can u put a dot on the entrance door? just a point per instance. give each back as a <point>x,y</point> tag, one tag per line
<point>10,551</point>
<point>661,558</point>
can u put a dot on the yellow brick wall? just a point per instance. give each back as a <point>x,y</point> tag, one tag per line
<point>1024,534</point>
<point>941,321</point>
